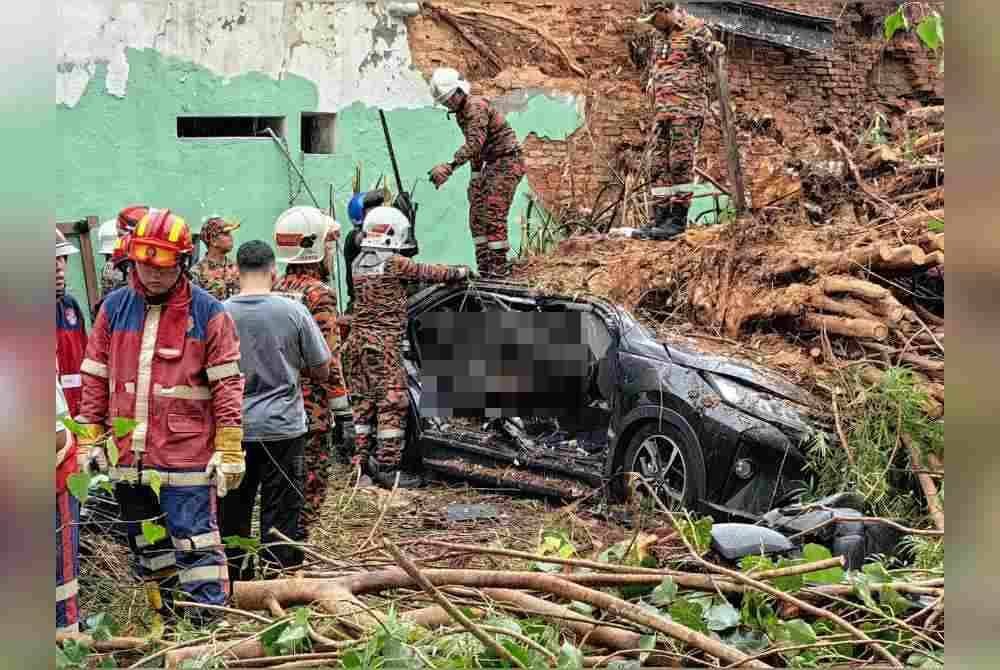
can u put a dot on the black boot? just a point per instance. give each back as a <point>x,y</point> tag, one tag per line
<point>386,478</point>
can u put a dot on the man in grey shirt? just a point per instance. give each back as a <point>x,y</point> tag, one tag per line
<point>278,338</point>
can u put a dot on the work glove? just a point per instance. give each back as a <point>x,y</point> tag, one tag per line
<point>440,174</point>
<point>91,455</point>
<point>228,463</point>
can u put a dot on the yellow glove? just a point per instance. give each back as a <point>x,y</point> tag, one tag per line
<point>228,463</point>
<point>91,456</point>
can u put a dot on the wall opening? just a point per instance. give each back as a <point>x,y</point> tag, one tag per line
<point>229,127</point>
<point>318,132</point>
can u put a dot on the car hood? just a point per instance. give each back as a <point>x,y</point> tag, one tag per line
<point>738,369</point>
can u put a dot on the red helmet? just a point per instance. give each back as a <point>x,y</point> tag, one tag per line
<point>129,218</point>
<point>120,252</point>
<point>160,239</point>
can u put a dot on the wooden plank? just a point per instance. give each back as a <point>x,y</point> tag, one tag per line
<point>81,230</point>
<point>736,186</point>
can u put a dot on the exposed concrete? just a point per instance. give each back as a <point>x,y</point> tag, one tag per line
<point>351,49</point>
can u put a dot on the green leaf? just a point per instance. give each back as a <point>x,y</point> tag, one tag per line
<point>755,563</point>
<point>722,617</point>
<point>931,31</point>
<point>73,427</point>
<point>895,22</point>
<point>749,642</point>
<point>877,573</point>
<point>924,659</point>
<point>800,632</point>
<point>815,552</point>
<point>647,642</point>
<point>107,663</point>
<point>397,655</point>
<point>863,589</point>
<point>665,593</point>
<point>78,484</point>
<point>123,426</point>
<point>153,532</point>
<point>936,225</point>
<point>698,533</point>
<point>112,450</point>
<point>791,583</point>
<point>154,482</point>
<point>243,543</point>
<point>102,627</point>
<point>896,603</point>
<point>689,614</point>
<point>291,638</point>
<point>582,608</point>
<point>756,612</point>
<point>570,658</point>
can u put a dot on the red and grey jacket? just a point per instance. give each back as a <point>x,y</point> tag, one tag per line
<point>71,341</point>
<point>172,367</point>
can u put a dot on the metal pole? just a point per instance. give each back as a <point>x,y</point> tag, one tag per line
<point>336,248</point>
<point>291,161</point>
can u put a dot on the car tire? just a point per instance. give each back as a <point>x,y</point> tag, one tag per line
<point>659,446</point>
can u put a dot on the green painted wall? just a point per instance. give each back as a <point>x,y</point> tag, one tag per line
<point>119,151</point>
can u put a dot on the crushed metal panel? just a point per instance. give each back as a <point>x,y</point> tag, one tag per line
<point>768,24</point>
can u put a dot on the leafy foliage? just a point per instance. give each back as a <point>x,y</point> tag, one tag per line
<point>895,22</point>
<point>78,485</point>
<point>153,532</point>
<point>122,426</point>
<point>698,533</point>
<point>554,543</point>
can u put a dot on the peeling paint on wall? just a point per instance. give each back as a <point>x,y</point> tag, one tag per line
<point>351,49</point>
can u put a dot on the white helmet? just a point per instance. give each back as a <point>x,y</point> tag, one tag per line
<point>387,229</point>
<point>445,81</point>
<point>107,236</point>
<point>300,235</point>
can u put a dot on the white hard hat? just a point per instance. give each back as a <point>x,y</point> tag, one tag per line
<point>445,81</point>
<point>387,228</point>
<point>300,235</point>
<point>107,236</point>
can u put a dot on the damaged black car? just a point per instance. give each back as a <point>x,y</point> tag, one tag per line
<point>710,434</point>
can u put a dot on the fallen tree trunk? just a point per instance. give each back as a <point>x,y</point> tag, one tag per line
<point>927,484</point>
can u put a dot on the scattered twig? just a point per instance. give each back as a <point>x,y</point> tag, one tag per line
<point>413,571</point>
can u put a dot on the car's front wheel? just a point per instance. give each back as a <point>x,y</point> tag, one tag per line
<point>669,462</point>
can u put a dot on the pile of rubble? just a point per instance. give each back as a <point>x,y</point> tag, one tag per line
<point>850,270</point>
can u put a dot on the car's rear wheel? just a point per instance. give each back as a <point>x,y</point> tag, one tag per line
<point>669,462</point>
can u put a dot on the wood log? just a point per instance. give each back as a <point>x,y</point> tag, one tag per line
<point>863,328</point>
<point>844,306</point>
<point>854,286</point>
<point>926,483</point>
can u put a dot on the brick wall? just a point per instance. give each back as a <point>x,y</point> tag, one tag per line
<point>780,95</point>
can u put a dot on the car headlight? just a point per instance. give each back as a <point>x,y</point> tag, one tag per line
<point>758,403</point>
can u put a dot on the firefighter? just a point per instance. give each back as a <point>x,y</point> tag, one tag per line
<point>306,242</point>
<point>165,354</point>
<point>492,148</point>
<point>71,335</point>
<point>678,81</point>
<point>216,272</point>
<point>357,208</point>
<point>373,350</point>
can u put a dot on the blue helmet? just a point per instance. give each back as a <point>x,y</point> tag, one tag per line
<point>356,209</point>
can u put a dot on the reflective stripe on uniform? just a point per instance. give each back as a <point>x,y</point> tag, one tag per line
<point>389,433</point>
<point>71,381</point>
<point>476,173</point>
<point>183,392</point>
<point>207,540</point>
<point>217,372</point>
<point>340,402</point>
<point>206,573</point>
<point>503,244</point>
<point>92,367</point>
<point>158,562</point>
<point>67,590</point>
<point>480,240</point>
<point>197,478</point>
<point>362,429</point>
<point>144,378</point>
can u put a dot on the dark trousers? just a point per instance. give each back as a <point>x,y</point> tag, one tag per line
<point>278,469</point>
